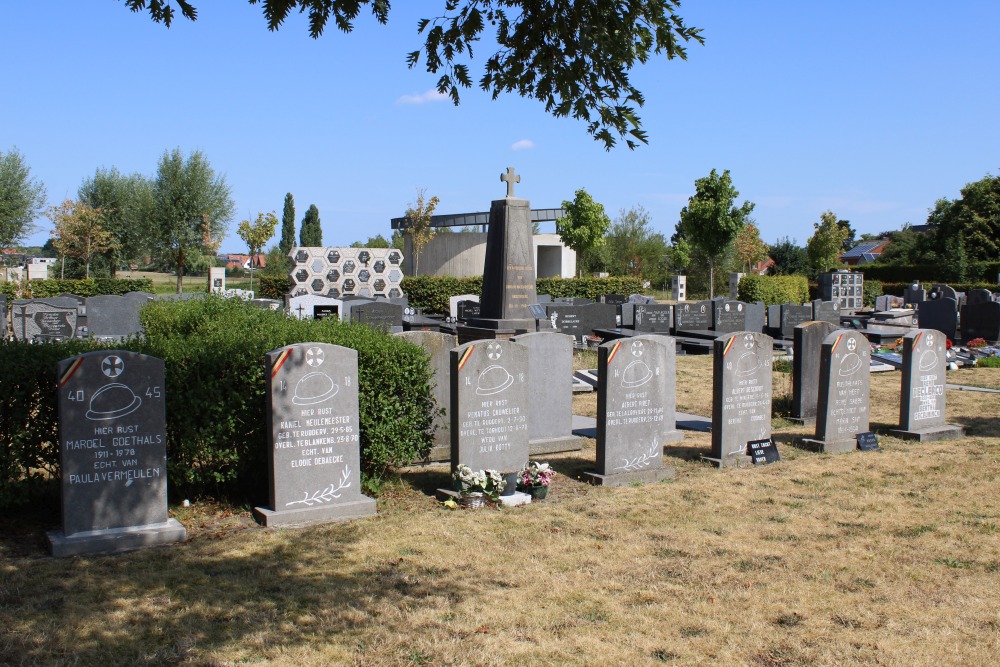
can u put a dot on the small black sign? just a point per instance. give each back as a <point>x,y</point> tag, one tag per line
<point>322,311</point>
<point>868,442</point>
<point>763,451</point>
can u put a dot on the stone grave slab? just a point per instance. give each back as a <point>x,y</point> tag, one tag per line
<point>44,319</point>
<point>792,316</point>
<point>550,392</point>
<point>942,292</point>
<point>693,316</point>
<point>636,410</point>
<point>489,406</point>
<point>922,392</point>
<point>217,280</point>
<point>640,298</point>
<point>580,321</point>
<point>509,269</point>
<point>453,302</point>
<point>114,317</point>
<point>940,314</point>
<point>614,299</point>
<point>826,311</point>
<point>978,296</point>
<point>741,395</point>
<point>981,320</point>
<point>438,346</point>
<point>113,454</point>
<point>379,315</point>
<point>807,343</point>
<point>728,316</point>
<point>467,310</point>
<point>649,318</point>
<point>843,404</point>
<point>314,472</point>
<point>756,316</point>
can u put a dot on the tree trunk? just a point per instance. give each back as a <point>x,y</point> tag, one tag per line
<point>711,278</point>
<point>180,271</point>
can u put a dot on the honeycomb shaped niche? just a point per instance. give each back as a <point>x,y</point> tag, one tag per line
<point>333,257</point>
<point>364,275</point>
<point>364,257</point>
<point>349,266</point>
<point>349,286</point>
<point>379,266</point>
<point>301,257</point>
<point>333,275</point>
<point>379,285</point>
<point>318,285</point>
<point>395,257</point>
<point>301,276</point>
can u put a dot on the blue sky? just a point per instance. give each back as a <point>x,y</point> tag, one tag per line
<point>871,109</point>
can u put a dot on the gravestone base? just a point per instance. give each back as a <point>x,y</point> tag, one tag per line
<point>439,454</point>
<point>569,443</point>
<point>930,434</point>
<point>802,421</point>
<point>309,515</point>
<point>512,500</point>
<point>114,540</point>
<point>741,461</point>
<point>828,446</point>
<point>467,334</point>
<point>630,478</point>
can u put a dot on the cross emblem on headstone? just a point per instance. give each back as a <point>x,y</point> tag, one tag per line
<point>510,178</point>
<point>112,366</point>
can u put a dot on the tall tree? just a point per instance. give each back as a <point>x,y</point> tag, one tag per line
<point>634,248</point>
<point>575,57</point>
<point>749,247</point>
<point>975,216</point>
<point>256,234</point>
<point>22,198</point>
<point>418,225</point>
<point>128,211</point>
<point>311,232</point>
<point>583,226</point>
<point>849,240</point>
<point>288,225</point>
<point>79,231</point>
<point>193,207</point>
<point>827,243</point>
<point>790,259</point>
<point>712,219</point>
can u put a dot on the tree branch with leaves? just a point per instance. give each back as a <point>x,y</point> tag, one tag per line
<point>418,225</point>
<point>78,231</point>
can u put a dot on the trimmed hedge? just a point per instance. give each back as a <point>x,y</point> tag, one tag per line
<point>928,273</point>
<point>39,289</point>
<point>774,289</point>
<point>273,287</point>
<point>213,350</point>
<point>431,293</point>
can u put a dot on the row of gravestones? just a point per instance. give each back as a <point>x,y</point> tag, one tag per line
<point>976,316</point>
<point>112,427</point>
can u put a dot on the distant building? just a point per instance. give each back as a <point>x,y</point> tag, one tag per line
<point>237,261</point>
<point>865,252</point>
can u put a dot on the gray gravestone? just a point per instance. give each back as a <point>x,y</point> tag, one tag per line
<point>573,300</point>
<point>550,392</point>
<point>806,347</point>
<point>438,346</point>
<point>44,319</point>
<point>826,311</point>
<point>636,410</point>
<point>489,406</point>
<point>792,316</point>
<point>978,296</point>
<point>315,464</point>
<point>113,454</point>
<point>453,302</point>
<point>914,294</point>
<point>741,395</point>
<point>981,320</point>
<point>110,316</point>
<point>651,318</point>
<point>942,292</point>
<point>756,314</point>
<point>580,321</point>
<point>378,315</point>
<point>693,316</point>
<point>842,410</point>
<point>940,314</point>
<point>922,393</point>
<point>614,299</point>
<point>728,316</point>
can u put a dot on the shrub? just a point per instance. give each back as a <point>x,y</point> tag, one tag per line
<point>988,362</point>
<point>872,289</point>
<point>431,293</point>
<point>39,289</point>
<point>774,289</point>
<point>273,287</point>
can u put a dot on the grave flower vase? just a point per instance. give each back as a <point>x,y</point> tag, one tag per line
<point>537,491</point>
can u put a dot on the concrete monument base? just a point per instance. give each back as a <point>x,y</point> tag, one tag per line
<point>569,443</point>
<point>305,516</point>
<point>114,540</point>
<point>931,433</point>
<point>630,478</point>
<point>828,446</point>
<point>467,334</point>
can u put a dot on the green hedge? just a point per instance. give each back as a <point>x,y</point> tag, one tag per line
<point>872,289</point>
<point>432,293</point>
<point>213,350</point>
<point>928,273</point>
<point>899,289</point>
<point>774,289</point>
<point>589,288</point>
<point>38,289</point>
<point>273,287</point>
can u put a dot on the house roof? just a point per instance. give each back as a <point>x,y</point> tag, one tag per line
<point>866,250</point>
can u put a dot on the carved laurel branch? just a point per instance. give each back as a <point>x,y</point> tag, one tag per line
<point>329,494</point>
<point>642,460</point>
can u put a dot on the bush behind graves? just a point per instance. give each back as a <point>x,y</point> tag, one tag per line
<point>431,293</point>
<point>273,287</point>
<point>214,348</point>
<point>40,289</point>
<point>940,272</point>
<point>29,452</point>
<point>872,290</point>
<point>774,289</point>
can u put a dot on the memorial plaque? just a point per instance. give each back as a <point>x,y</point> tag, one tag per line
<point>693,316</point>
<point>844,391</point>
<point>741,395</point>
<point>550,392</point>
<point>981,320</point>
<point>807,344</point>
<point>763,452</point>
<point>868,442</point>
<point>110,316</point>
<point>113,454</point>
<point>323,311</point>
<point>468,309</point>
<point>614,299</point>
<point>305,306</point>
<point>489,406</point>
<point>922,393</point>
<point>378,315</point>
<point>653,317</point>
<point>453,302</point>
<point>315,463</point>
<point>580,321</point>
<point>792,316</point>
<point>44,319</point>
<point>438,346</point>
<point>728,316</point>
<point>826,311</point>
<point>940,314</point>
<point>636,409</point>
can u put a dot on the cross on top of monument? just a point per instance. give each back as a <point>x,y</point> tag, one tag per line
<point>510,178</point>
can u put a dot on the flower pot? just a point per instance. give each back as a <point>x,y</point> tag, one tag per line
<point>472,500</point>
<point>537,492</point>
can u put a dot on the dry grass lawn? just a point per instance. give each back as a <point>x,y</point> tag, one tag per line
<point>888,558</point>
